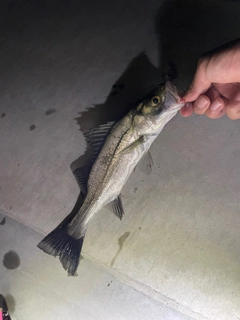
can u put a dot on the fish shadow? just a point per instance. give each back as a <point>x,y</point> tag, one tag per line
<point>139,78</point>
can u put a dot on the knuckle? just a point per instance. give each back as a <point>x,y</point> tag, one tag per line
<point>202,62</point>
<point>233,112</point>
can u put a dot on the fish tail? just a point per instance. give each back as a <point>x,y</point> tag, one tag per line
<point>60,243</point>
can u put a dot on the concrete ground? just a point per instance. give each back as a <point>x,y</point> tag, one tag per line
<point>176,254</point>
<point>36,288</point>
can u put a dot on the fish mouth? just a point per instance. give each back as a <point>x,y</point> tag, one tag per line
<point>172,99</point>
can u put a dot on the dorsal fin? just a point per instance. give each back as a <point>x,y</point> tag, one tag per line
<point>97,136</point>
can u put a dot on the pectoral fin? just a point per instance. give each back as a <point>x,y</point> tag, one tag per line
<point>134,145</point>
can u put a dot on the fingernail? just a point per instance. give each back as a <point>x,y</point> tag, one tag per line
<point>188,104</point>
<point>215,105</point>
<point>201,102</point>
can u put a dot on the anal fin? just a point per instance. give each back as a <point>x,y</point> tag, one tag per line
<point>116,207</point>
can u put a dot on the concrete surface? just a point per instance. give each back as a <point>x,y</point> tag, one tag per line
<point>36,288</point>
<point>179,241</point>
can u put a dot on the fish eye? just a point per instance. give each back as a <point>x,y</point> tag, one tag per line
<point>155,101</point>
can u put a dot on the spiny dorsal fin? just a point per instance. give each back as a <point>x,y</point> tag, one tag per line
<point>96,137</point>
<point>116,207</point>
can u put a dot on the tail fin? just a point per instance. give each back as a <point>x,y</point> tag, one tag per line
<point>60,243</point>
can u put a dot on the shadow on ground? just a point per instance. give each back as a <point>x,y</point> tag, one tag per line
<point>186,29</point>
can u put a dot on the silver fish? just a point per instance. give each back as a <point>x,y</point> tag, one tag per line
<point>126,144</point>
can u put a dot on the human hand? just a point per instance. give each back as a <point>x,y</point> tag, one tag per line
<point>215,89</point>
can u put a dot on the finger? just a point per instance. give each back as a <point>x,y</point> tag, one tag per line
<point>187,110</point>
<point>201,104</point>
<point>233,108</point>
<point>217,108</point>
<point>213,93</point>
<point>216,114</point>
<point>228,90</point>
<point>200,83</point>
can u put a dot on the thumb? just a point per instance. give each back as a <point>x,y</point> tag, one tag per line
<point>200,83</point>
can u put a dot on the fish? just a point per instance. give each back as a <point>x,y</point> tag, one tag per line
<point>126,144</point>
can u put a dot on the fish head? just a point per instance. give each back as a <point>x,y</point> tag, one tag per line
<point>158,108</point>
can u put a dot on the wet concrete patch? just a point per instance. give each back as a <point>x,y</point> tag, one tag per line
<point>109,283</point>
<point>121,241</point>
<point>115,87</point>
<point>32,127</point>
<point>50,111</point>
<point>11,260</point>
<point>120,86</point>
